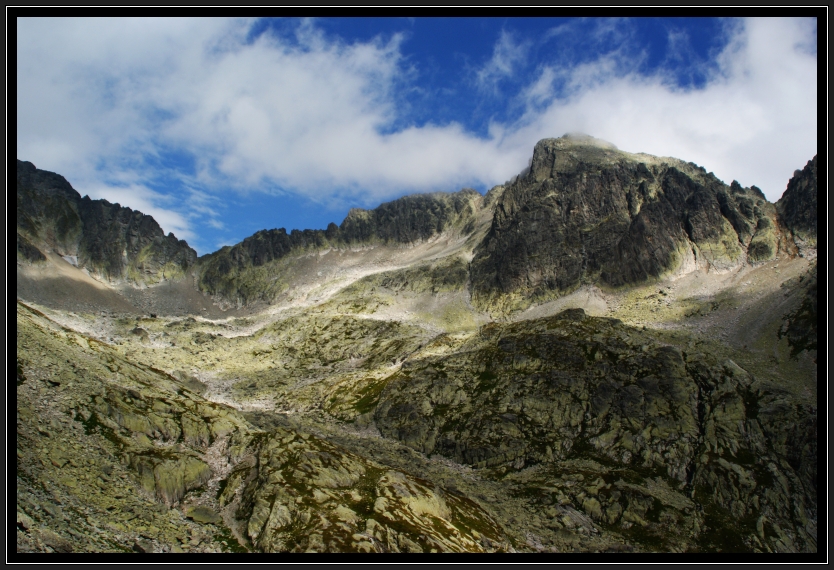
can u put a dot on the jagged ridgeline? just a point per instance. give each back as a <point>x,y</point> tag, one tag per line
<point>110,241</point>
<point>586,213</point>
<point>583,213</point>
<point>247,271</point>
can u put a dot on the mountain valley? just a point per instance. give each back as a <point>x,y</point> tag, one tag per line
<point>612,352</point>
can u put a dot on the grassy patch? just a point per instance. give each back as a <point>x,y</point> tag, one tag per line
<point>231,543</point>
<point>370,396</point>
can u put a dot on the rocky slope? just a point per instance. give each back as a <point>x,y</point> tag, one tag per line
<point>611,353</point>
<point>111,242</point>
<point>106,446</point>
<point>546,394</point>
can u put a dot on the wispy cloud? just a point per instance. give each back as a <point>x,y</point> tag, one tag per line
<point>506,57</point>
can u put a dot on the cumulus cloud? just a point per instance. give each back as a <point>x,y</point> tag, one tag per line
<point>307,116</point>
<point>119,106</point>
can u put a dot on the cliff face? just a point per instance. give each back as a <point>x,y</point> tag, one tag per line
<point>588,213</point>
<point>798,205</point>
<point>410,219</point>
<point>47,213</point>
<point>108,240</point>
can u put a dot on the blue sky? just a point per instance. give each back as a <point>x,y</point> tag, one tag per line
<point>219,128</point>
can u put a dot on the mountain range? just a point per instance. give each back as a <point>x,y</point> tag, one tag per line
<point>611,352</point>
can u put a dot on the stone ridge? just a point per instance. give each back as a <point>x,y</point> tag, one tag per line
<point>585,212</point>
<point>408,220</point>
<point>798,205</point>
<point>111,241</point>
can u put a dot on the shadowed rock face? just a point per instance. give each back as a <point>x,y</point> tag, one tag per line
<point>588,213</point>
<point>111,231</point>
<point>798,205</point>
<point>109,240</point>
<point>800,326</point>
<point>46,210</point>
<point>28,251</point>
<point>409,219</point>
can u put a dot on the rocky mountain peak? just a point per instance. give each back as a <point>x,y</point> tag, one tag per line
<point>568,153</point>
<point>45,182</point>
<point>589,213</point>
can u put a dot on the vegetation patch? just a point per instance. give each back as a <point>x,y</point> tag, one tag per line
<point>229,541</point>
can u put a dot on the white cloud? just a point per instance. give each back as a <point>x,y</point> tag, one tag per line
<point>305,117</point>
<point>106,102</point>
<point>506,56</point>
<point>754,120</point>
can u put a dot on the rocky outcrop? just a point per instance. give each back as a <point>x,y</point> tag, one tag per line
<point>587,213</point>
<point>306,495</point>
<point>798,205</point>
<point>47,210</point>
<point>122,243</point>
<point>110,241</point>
<point>409,219</point>
<point>573,388</point>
